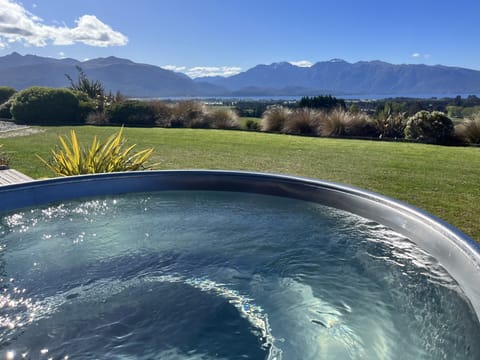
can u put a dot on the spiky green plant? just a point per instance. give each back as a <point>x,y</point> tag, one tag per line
<point>110,156</point>
<point>93,88</point>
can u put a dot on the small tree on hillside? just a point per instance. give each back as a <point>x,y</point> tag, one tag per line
<point>93,88</point>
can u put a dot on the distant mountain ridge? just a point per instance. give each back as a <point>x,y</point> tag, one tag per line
<point>335,77</point>
<point>365,77</point>
<point>130,78</point>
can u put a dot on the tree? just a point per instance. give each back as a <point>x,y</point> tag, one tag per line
<point>93,88</point>
<point>327,102</point>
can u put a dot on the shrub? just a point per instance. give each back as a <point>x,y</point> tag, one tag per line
<point>432,128</point>
<point>302,122</point>
<point>334,123</point>
<point>252,124</point>
<point>162,112</point>
<point>41,105</point>
<point>5,109</point>
<point>222,118</point>
<point>97,118</point>
<point>85,108</point>
<point>469,130</point>
<point>186,114</point>
<point>391,125</point>
<point>131,112</point>
<point>109,156</point>
<point>360,124</point>
<point>273,120</point>
<point>6,93</point>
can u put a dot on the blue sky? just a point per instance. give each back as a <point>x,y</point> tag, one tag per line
<point>211,37</point>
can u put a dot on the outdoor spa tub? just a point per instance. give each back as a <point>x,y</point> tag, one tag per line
<point>229,265</point>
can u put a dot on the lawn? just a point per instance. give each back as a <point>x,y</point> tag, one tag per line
<point>442,180</point>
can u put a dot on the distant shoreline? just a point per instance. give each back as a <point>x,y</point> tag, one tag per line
<point>360,97</point>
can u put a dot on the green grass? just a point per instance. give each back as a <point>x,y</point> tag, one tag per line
<point>442,180</point>
<point>243,121</point>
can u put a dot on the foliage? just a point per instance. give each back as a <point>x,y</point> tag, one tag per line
<point>462,112</point>
<point>252,124</point>
<point>162,112</point>
<point>469,130</point>
<point>302,122</point>
<point>109,156</point>
<point>390,123</point>
<point>325,102</point>
<point>429,127</point>
<point>93,88</point>
<point>6,93</point>
<point>334,123</point>
<point>5,109</point>
<point>85,108</point>
<point>469,101</point>
<point>253,108</point>
<point>338,123</point>
<point>222,118</point>
<point>306,121</point>
<point>4,158</point>
<point>186,113</point>
<point>361,125</point>
<point>42,105</point>
<point>131,112</point>
<point>97,118</point>
<point>273,120</point>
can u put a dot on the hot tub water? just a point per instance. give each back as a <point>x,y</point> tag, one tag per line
<point>221,275</point>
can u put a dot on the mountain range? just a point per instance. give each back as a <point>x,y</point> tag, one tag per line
<point>334,77</point>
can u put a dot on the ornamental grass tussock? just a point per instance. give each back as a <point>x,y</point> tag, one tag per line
<point>469,130</point>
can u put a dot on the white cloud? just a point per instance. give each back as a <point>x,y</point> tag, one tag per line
<point>19,25</point>
<point>201,71</point>
<point>419,55</point>
<point>174,68</point>
<point>61,54</point>
<point>302,63</point>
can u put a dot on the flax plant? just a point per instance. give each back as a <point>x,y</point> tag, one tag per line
<point>110,156</point>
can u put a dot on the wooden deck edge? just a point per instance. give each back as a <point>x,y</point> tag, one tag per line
<point>12,176</point>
